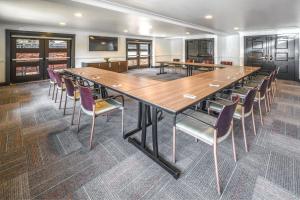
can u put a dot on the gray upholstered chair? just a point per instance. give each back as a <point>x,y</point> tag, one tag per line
<point>261,94</point>
<point>72,93</point>
<point>212,130</point>
<point>243,110</point>
<point>96,108</point>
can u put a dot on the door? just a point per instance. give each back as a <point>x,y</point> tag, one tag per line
<point>272,51</point>
<point>138,53</point>
<point>30,57</point>
<point>282,54</point>
<point>57,54</point>
<point>27,57</point>
<point>256,50</point>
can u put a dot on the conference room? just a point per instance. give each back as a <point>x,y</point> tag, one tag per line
<point>104,99</point>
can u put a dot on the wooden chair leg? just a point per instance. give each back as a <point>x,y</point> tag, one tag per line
<point>53,92</point>
<point>122,121</point>
<point>49,89</point>
<point>244,133</point>
<point>216,164</point>
<point>56,95</point>
<point>74,107</point>
<point>66,98</point>
<point>260,112</point>
<point>266,106</point>
<point>253,121</point>
<point>233,143</point>
<point>61,95</point>
<point>174,144</point>
<point>268,101</point>
<point>79,120</point>
<point>92,131</point>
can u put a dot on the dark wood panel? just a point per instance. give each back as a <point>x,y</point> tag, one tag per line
<point>271,51</point>
<point>200,50</point>
<point>115,66</point>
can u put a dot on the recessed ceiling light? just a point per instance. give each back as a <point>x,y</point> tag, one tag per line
<point>125,31</point>
<point>78,14</point>
<point>208,16</point>
<point>62,23</point>
<point>236,28</point>
<point>187,33</point>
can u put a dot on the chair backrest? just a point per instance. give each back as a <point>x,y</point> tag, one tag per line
<point>249,100</point>
<point>58,79</point>
<point>263,86</point>
<point>277,71</point>
<point>225,118</point>
<point>51,75</point>
<point>274,75</point>
<point>270,79</point>
<point>190,60</point>
<point>86,98</point>
<point>70,86</point>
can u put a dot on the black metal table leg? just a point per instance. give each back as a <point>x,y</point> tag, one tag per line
<point>154,155</point>
<point>104,93</point>
<point>161,69</point>
<point>139,123</point>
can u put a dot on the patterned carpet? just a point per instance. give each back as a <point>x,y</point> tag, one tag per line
<point>43,157</point>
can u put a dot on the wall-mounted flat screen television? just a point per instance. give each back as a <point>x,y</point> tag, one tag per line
<point>99,43</point>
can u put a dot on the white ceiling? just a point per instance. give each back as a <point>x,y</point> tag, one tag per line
<point>167,18</point>
<point>227,14</point>
<point>52,12</point>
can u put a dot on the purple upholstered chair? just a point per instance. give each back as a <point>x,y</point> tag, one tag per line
<point>242,110</point>
<point>52,82</point>
<point>72,93</point>
<point>60,86</point>
<point>209,129</point>
<point>96,108</point>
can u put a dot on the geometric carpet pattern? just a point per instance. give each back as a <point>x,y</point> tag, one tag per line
<point>43,156</point>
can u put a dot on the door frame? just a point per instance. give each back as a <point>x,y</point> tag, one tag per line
<point>297,66</point>
<point>138,41</point>
<point>9,33</point>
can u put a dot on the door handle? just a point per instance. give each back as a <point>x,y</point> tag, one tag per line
<point>271,57</point>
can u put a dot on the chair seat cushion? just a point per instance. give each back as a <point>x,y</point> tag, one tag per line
<point>196,129</point>
<point>106,106</point>
<point>252,84</point>
<point>103,106</point>
<point>77,95</point>
<point>202,116</point>
<point>216,107</point>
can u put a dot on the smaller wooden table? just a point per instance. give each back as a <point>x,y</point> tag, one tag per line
<point>189,65</point>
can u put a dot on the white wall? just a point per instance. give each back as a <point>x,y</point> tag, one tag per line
<point>229,49</point>
<point>178,48</point>
<point>162,50</point>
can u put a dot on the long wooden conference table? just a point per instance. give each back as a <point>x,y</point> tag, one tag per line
<point>189,66</point>
<point>172,96</point>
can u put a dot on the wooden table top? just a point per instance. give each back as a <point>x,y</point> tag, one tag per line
<point>172,96</point>
<point>115,81</point>
<point>175,96</point>
<point>194,64</point>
